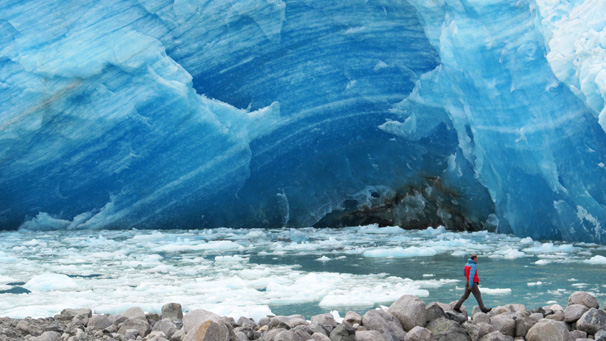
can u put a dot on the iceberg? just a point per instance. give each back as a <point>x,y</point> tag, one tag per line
<point>473,115</point>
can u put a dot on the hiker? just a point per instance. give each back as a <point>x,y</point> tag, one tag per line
<point>472,285</point>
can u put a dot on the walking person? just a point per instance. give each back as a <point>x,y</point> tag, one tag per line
<point>472,285</point>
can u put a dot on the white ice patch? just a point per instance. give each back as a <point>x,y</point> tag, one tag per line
<point>599,260</point>
<point>532,284</point>
<point>49,282</point>
<point>399,252</point>
<point>496,292</point>
<point>542,262</point>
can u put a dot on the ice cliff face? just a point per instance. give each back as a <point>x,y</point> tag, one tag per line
<point>473,114</point>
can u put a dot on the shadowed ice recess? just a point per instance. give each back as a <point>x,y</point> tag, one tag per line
<point>474,115</point>
<point>254,272</point>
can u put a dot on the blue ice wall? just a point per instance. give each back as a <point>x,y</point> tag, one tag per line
<point>267,113</point>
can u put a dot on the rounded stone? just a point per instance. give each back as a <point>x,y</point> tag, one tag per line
<point>504,324</point>
<point>592,321</point>
<point>419,334</point>
<point>583,298</point>
<point>549,330</point>
<point>172,311</point>
<point>410,311</point>
<point>573,312</point>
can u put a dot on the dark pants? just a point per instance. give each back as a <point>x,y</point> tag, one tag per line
<point>475,290</point>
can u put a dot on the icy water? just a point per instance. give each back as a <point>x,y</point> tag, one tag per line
<point>254,272</point>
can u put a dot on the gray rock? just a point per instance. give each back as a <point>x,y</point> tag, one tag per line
<point>351,318</point>
<point>315,327</point>
<point>583,298</point>
<point>445,329</point>
<point>592,321</point>
<point>195,318</point>
<point>573,312</point>
<point>549,330</point>
<point>271,334</point>
<point>131,334</point>
<point>434,311</point>
<point>388,325</point>
<point>280,322</point>
<point>143,328</point>
<point>165,326</point>
<point>179,335</point>
<point>297,321</point>
<point>99,322</point>
<point>410,311</point>
<point>172,311</point>
<point>23,326</point>
<point>558,315</point>
<point>578,334</point>
<point>419,334</point>
<point>245,321</point>
<point>496,336</point>
<point>240,336</point>
<point>135,313</point>
<point>536,316</point>
<point>343,332</point>
<point>477,330</point>
<point>47,336</point>
<point>292,335</point>
<point>319,337</point>
<point>325,320</point>
<point>480,317</point>
<point>369,335</point>
<point>600,335</point>
<point>460,318</point>
<point>523,325</point>
<point>504,324</point>
<point>208,331</point>
<point>69,314</point>
<point>264,321</point>
<point>515,308</point>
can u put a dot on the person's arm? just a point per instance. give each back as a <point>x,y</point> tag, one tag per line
<point>472,273</point>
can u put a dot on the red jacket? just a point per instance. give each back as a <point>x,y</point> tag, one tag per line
<point>470,269</point>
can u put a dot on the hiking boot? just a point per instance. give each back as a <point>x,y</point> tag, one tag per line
<point>458,310</point>
<point>487,310</point>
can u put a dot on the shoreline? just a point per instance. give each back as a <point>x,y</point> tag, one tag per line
<point>407,319</point>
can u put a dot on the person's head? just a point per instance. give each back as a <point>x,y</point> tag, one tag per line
<point>474,258</point>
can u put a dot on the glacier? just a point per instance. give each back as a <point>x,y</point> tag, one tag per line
<point>472,114</point>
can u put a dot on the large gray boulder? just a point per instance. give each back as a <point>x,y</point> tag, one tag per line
<point>142,327</point>
<point>523,325</point>
<point>319,337</point>
<point>496,336</point>
<point>69,314</point>
<point>352,318</point>
<point>410,311</point>
<point>448,330</point>
<point>573,312</point>
<point>549,330</point>
<point>47,336</point>
<point>343,332</point>
<point>600,335</point>
<point>325,320</point>
<point>480,317</point>
<point>165,326</point>
<point>197,317</point>
<point>504,324</point>
<point>99,322</point>
<point>370,335</point>
<point>293,335</point>
<point>592,321</point>
<point>134,313</point>
<point>583,298</point>
<point>434,311</point>
<point>388,325</point>
<point>478,330</point>
<point>172,311</point>
<point>419,334</point>
<point>208,331</point>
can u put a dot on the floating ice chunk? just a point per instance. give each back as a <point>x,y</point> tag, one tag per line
<point>509,253</point>
<point>526,240</point>
<point>428,275</point>
<point>430,231</point>
<point>488,291</point>
<point>601,260</point>
<point>532,284</point>
<point>6,279</point>
<point>50,281</point>
<point>323,259</point>
<point>542,262</point>
<point>336,316</point>
<point>399,252</point>
<point>459,253</point>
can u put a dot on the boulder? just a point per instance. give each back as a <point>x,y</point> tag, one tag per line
<point>69,314</point>
<point>445,329</point>
<point>325,320</point>
<point>131,334</point>
<point>592,321</point>
<point>573,312</point>
<point>279,322</point>
<point>578,334</point>
<point>477,330</point>
<point>292,335</point>
<point>245,321</point>
<point>343,332</point>
<point>523,325</point>
<point>165,326</point>
<point>315,327</point>
<point>600,335</point>
<point>99,322</point>
<point>319,337</point>
<point>134,313</point>
<point>172,311</point>
<point>419,334</point>
<point>496,336</point>
<point>195,318</point>
<point>460,318</point>
<point>142,327</point>
<point>24,326</point>
<point>370,335</point>
<point>47,336</point>
<point>297,321</point>
<point>208,331</point>
<point>480,317</point>
<point>388,325</point>
<point>271,334</point>
<point>434,311</point>
<point>549,330</point>
<point>410,311</point>
<point>351,318</point>
<point>583,298</point>
<point>557,315</point>
<point>504,324</point>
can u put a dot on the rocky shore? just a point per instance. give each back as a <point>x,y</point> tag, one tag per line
<point>407,319</point>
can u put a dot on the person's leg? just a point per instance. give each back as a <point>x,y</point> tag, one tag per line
<point>476,293</point>
<point>463,298</point>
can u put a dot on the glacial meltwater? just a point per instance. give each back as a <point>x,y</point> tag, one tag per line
<point>255,272</point>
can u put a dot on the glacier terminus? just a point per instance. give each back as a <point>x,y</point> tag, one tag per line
<point>472,114</point>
